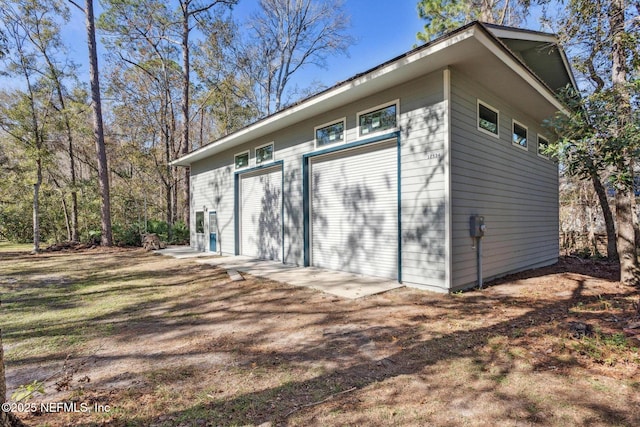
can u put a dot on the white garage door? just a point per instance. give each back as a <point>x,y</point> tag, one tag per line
<point>261,214</point>
<point>354,210</point>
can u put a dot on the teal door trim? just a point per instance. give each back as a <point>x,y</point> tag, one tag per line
<point>213,231</point>
<point>306,192</point>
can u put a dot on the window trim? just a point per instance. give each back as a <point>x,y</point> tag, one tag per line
<point>538,146</point>
<point>514,122</point>
<point>395,102</point>
<point>235,165</point>
<point>492,108</point>
<point>342,120</point>
<point>273,153</point>
<point>196,222</point>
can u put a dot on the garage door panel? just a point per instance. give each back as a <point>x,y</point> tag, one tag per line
<point>261,214</point>
<point>354,210</point>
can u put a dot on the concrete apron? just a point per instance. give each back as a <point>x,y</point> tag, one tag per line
<point>345,285</point>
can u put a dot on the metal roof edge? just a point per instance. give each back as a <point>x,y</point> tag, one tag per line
<point>516,33</point>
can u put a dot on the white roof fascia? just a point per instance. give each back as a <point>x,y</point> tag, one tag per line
<point>522,71</point>
<point>565,61</point>
<point>518,34</point>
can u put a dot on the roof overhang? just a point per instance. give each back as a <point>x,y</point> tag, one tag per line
<point>472,47</point>
<point>540,52</point>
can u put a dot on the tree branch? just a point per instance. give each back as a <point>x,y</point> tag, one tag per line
<point>77,5</point>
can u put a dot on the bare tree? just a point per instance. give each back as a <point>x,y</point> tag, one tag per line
<point>147,80</point>
<point>46,41</point>
<point>149,38</point>
<point>25,120</point>
<point>191,10</point>
<point>288,35</point>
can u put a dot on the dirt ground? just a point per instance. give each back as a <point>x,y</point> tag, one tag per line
<point>145,340</point>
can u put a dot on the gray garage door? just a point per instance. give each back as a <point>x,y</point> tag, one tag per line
<point>261,214</point>
<point>354,210</point>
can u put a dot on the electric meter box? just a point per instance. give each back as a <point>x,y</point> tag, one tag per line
<point>476,225</point>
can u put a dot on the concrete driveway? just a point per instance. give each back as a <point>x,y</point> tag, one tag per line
<point>345,285</point>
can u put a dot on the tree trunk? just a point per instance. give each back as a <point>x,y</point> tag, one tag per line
<point>168,135</point>
<point>65,210</point>
<point>167,189</point>
<point>72,162</point>
<point>167,179</point>
<point>486,14</point>
<point>185,109</point>
<point>75,234</point>
<point>174,197</point>
<point>38,142</point>
<point>624,196</point>
<point>36,218</point>
<point>73,224</point>
<point>36,207</point>
<point>636,229</point>
<point>612,247</point>
<point>72,172</point>
<point>201,142</point>
<point>98,128</point>
<point>626,237</point>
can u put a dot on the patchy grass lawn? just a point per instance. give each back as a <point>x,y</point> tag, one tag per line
<point>6,246</point>
<point>168,342</point>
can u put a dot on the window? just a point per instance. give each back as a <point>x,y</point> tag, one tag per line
<point>242,160</point>
<point>488,119</point>
<point>330,134</point>
<point>519,135</point>
<point>378,120</point>
<point>543,143</point>
<point>264,153</point>
<point>199,222</point>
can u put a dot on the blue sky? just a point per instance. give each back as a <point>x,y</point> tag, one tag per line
<point>383,29</point>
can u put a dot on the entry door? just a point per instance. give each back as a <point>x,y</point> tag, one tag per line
<point>213,232</point>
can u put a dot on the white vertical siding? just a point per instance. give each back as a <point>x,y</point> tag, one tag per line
<point>516,190</point>
<point>354,210</point>
<point>260,213</point>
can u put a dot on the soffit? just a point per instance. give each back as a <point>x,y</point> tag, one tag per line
<point>540,51</point>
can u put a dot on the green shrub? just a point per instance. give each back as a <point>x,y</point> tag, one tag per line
<point>161,228</point>
<point>95,236</point>
<point>179,234</point>
<point>127,235</point>
<point>15,226</point>
<point>131,235</point>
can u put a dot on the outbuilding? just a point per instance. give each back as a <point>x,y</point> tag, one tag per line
<point>428,169</point>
